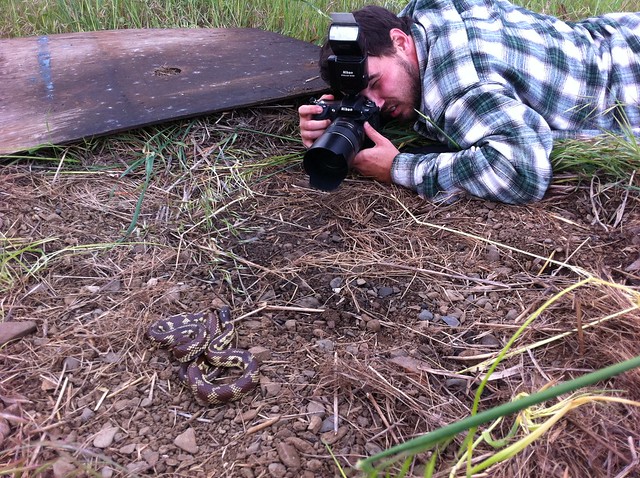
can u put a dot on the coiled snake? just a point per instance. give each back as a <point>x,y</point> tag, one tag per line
<point>201,343</point>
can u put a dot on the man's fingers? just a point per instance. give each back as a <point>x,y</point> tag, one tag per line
<point>310,130</point>
<point>372,133</point>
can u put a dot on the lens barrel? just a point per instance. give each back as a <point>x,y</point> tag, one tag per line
<point>328,160</point>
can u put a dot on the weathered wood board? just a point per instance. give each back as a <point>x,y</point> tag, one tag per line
<point>60,88</point>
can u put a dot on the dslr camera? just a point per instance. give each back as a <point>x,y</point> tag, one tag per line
<point>328,160</point>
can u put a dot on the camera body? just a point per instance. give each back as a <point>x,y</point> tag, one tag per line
<point>357,108</point>
<point>328,160</point>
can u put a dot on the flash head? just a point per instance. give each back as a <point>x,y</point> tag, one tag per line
<point>348,64</point>
<point>344,35</point>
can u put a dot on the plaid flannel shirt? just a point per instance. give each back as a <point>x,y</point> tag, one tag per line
<point>500,83</point>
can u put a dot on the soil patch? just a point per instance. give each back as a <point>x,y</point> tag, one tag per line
<point>367,306</point>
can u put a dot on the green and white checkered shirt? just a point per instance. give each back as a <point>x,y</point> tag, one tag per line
<point>500,83</point>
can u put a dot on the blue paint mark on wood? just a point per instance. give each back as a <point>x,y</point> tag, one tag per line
<point>44,60</point>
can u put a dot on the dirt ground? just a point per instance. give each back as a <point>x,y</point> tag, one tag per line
<point>361,305</point>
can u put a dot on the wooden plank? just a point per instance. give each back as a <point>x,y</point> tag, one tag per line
<point>60,88</point>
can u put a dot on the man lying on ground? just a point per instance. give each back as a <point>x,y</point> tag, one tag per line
<point>496,84</point>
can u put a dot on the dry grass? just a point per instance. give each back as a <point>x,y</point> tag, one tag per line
<point>222,220</point>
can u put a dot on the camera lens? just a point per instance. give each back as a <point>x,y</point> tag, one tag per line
<point>328,160</point>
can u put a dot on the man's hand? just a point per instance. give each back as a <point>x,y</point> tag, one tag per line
<point>311,129</point>
<point>376,162</point>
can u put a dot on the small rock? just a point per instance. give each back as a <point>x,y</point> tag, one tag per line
<point>48,385</point>
<point>336,283</point>
<point>455,383</point>
<point>318,333</point>
<point>246,416</point>
<point>128,449</point>
<point>91,289</point>
<point>490,340</point>
<point>315,422</point>
<point>493,254</point>
<point>15,330</point>
<point>71,363</point>
<point>325,345</point>
<point>53,217</point>
<point>399,352</point>
<point>112,286</point>
<point>121,405</point>
<point>106,472</point>
<point>374,325</point>
<point>308,302</point>
<point>104,438</point>
<point>252,324</point>
<point>410,364</point>
<point>352,349</point>
<point>634,266</point>
<point>363,421</point>
<point>72,437</point>
<point>111,357</point>
<point>314,465</point>
<point>385,292</point>
<point>63,468</point>
<point>5,429</point>
<point>454,296</point>
<point>328,424</point>
<point>450,320</point>
<point>87,414</point>
<point>291,325</point>
<point>301,445</point>
<point>315,408</point>
<point>254,448</point>
<point>269,389</point>
<point>425,315</point>
<point>262,354</point>
<point>246,473</point>
<point>151,457</point>
<point>512,314</point>
<point>331,437</point>
<point>372,448</point>
<point>277,470</point>
<point>288,455</point>
<point>187,441</point>
<point>172,295</point>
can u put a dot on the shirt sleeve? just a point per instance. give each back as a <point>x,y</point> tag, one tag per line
<point>503,156</point>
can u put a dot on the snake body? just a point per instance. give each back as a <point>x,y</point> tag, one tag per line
<point>201,343</point>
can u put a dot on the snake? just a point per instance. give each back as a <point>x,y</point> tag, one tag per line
<point>201,343</point>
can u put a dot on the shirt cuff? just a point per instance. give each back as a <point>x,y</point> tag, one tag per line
<point>427,174</point>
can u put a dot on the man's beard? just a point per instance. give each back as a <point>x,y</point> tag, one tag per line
<point>415,89</point>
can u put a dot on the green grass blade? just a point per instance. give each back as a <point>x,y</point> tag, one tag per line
<point>427,441</point>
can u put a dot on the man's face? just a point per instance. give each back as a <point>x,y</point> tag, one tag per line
<point>394,85</point>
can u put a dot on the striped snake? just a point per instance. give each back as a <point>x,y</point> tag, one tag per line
<point>201,343</point>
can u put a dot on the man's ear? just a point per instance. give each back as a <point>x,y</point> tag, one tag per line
<point>401,41</point>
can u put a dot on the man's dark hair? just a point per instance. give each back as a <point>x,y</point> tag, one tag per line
<point>375,24</point>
